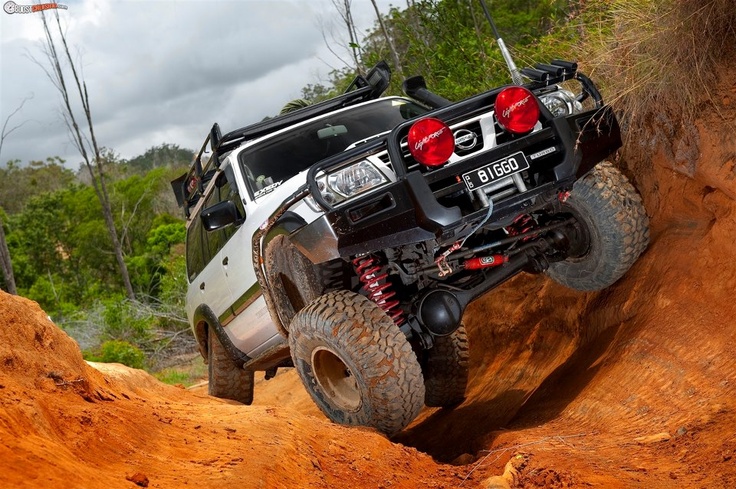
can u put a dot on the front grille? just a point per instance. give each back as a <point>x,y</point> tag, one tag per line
<point>472,136</point>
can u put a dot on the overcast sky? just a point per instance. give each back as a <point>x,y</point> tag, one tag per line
<point>165,70</point>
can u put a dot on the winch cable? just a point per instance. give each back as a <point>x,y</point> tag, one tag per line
<point>441,261</point>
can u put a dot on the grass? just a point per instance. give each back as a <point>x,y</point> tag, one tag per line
<point>186,374</point>
<point>658,58</point>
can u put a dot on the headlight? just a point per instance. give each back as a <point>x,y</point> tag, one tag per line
<point>350,181</point>
<point>561,103</point>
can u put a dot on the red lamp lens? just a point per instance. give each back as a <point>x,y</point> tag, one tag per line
<point>517,110</point>
<point>431,142</point>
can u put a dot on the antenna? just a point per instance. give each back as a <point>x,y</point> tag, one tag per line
<point>515,75</point>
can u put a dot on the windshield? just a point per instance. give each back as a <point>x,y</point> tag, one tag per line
<point>281,157</point>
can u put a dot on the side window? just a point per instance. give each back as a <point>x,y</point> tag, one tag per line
<point>203,245</point>
<point>215,239</point>
<point>195,250</point>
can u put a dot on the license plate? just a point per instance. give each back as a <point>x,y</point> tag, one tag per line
<point>495,171</point>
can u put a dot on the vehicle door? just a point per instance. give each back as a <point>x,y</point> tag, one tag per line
<point>205,262</point>
<point>252,325</point>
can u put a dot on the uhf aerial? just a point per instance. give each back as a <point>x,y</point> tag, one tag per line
<point>515,74</point>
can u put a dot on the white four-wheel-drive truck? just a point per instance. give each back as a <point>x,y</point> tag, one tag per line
<point>346,238</point>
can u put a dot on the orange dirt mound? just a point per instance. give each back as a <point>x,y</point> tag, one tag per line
<point>66,424</point>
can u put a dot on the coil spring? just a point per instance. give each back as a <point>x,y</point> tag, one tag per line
<point>377,287</point>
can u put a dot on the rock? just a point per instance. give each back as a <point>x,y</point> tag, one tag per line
<point>138,479</point>
<point>463,459</point>
<point>649,439</point>
<point>510,476</point>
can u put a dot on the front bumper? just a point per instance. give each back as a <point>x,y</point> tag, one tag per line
<point>417,207</point>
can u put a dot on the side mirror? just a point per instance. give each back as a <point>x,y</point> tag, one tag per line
<point>220,215</point>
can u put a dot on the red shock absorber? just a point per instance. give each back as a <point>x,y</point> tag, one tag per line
<point>377,287</point>
<point>482,262</point>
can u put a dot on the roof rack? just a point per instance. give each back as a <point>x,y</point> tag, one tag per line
<point>189,186</point>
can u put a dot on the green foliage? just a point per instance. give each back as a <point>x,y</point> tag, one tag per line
<point>18,184</point>
<point>122,323</point>
<point>173,377</point>
<point>317,93</point>
<point>117,351</point>
<point>148,268</point>
<point>61,249</point>
<point>452,45</point>
<point>162,237</point>
<point>174,281</point>
<point>163,155</point>
<point>186,374</point>
<point>62,255</point>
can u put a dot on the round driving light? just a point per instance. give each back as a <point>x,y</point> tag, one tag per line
<point>431,142</point>
<point>517,110</point>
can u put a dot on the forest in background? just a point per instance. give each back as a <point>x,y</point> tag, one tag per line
<point>62,256</point>
<point>53,223</point>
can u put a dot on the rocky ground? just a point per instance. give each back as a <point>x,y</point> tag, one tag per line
<point>634,386</point>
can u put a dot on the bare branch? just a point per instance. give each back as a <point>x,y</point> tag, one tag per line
<point>5,132</point>
<point>126,225</point>
<point>329,48</point>
<point>82,141</point>
<point>387,36</point>
<point>344,10</point>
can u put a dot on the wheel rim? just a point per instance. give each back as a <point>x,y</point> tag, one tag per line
<point>335,379</point>
<point>579,236</point>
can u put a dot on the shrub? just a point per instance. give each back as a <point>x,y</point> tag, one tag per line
<point>117,351</point>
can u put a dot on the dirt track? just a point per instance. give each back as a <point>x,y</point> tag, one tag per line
<point>631,387</point>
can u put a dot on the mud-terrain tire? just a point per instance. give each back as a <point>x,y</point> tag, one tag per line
<point>445,369</point>
<point>616,227</point>
<point>356,363</point>
<point>226,380</point>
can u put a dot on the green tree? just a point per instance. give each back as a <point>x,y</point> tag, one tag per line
<point>61,248</point>
<point>19,183</point>
<point>163,155</point>
<point>450,42</point>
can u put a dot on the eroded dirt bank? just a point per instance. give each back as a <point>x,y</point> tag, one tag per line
<point>66,424</point>
<point>632,387</point>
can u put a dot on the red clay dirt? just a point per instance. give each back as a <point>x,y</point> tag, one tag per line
<point>634,386</point>
<point>66,424</point>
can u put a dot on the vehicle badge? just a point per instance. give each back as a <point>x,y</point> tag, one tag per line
<point>465,139</point>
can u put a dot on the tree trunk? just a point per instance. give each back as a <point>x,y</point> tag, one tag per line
<point>82,141</point>
<point>6,263</point>
<point>389,41</point>
<point>344,8</point>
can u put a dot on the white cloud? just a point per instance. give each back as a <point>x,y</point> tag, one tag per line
<point>164,71</point>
